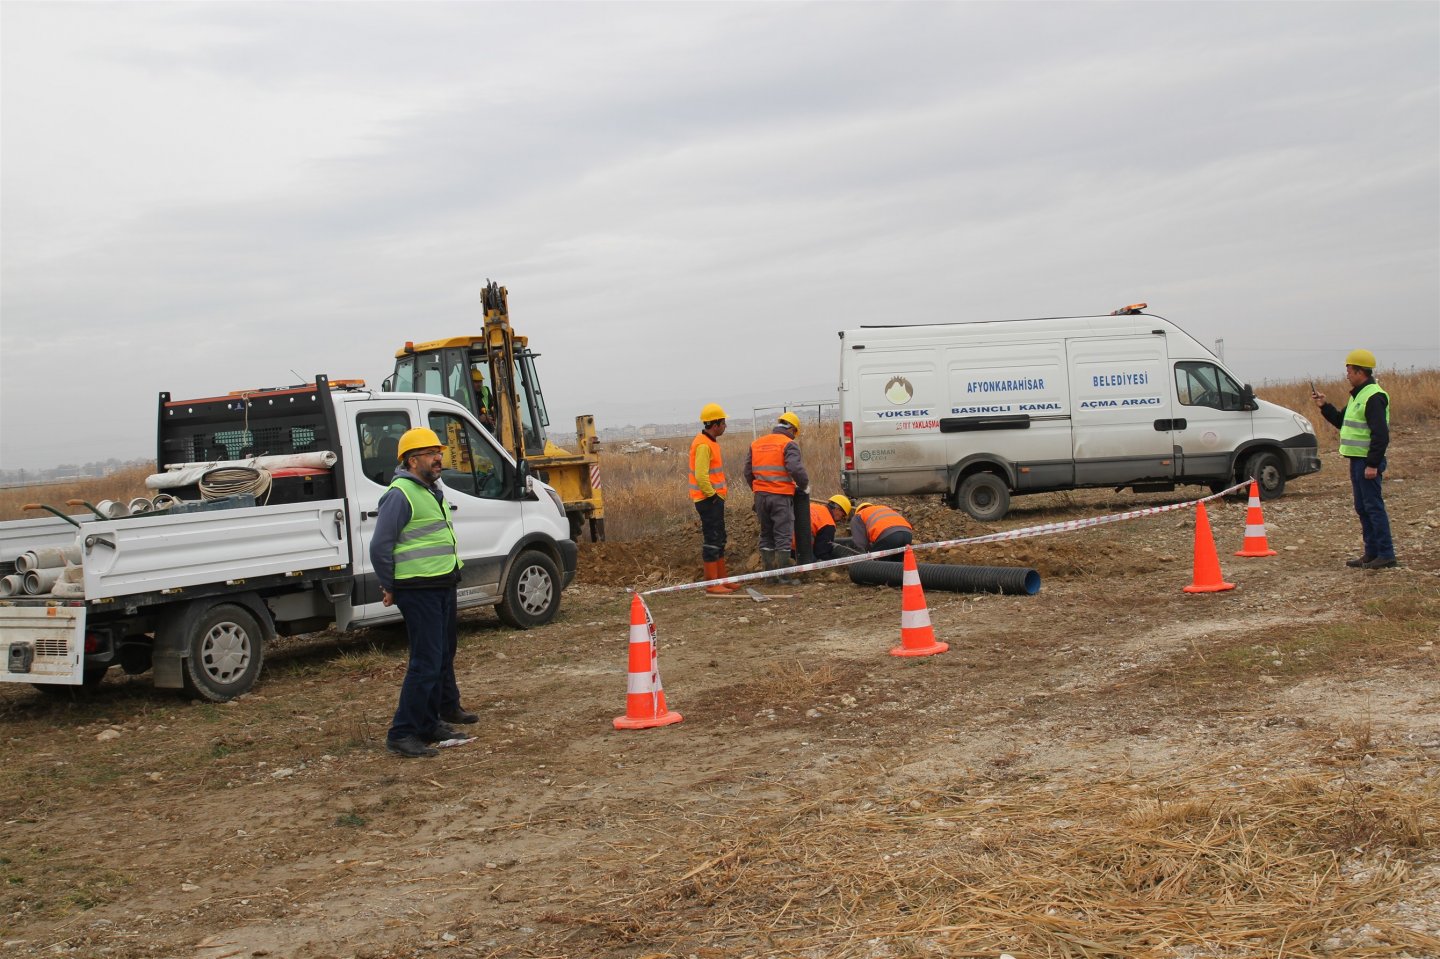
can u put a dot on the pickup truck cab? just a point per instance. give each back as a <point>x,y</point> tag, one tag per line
<point>194,591</point>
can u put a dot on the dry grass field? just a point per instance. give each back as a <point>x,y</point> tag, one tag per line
<point>1110,768</point>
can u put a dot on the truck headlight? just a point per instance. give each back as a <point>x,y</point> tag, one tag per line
<point>1304,423</point>
<point>555,498</point>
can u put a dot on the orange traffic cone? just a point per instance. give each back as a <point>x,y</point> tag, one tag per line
<point>917,638</point>
<point>1207,577</point>
<point>1254,544</point>
<point>644,698</point>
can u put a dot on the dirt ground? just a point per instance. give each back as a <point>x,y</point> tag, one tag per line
<point>1111,767</point>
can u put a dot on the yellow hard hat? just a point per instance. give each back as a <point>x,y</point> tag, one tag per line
<point>477,374</point>
<point>841,501</point>
<point>790,420</point>
<point>417,439</point>
<point>1361,358</point>
<point>711,412</point>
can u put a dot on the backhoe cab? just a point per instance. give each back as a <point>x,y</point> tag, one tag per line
<point>493,375</point>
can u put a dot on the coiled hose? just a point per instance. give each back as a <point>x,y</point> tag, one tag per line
<point>226,481</point>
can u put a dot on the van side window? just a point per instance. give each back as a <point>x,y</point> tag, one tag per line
<point>380,444</point>
<point>471,465</point>
<point>1205,384</point>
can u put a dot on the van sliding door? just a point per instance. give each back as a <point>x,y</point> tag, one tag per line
<point>1121,410</point>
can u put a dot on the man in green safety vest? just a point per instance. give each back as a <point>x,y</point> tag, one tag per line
<point>418,565</point>
<point>1364,437</point>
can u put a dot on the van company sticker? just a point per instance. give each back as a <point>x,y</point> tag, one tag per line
<point>1129,401</point>
<point>899,390</point>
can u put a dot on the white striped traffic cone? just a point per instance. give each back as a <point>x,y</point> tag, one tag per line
<point>917,637</point>
<point>1254,544</point>
<point>644,696</point>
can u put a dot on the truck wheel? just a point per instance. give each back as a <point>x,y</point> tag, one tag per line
<point>1269,472</point>
<point>532,592</point>
<point>984,496</point>
<point>225,646</point>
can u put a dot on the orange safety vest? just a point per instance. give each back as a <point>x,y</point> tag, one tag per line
<point>767,462</point>
<point>717,468</point>
<point>879,520</point>
<point>819,519</point>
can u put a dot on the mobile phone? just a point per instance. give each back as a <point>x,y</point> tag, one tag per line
<point>1312,386</point>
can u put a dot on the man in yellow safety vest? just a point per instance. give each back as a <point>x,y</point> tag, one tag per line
<point>417,564</point>
<point>1364,438</point>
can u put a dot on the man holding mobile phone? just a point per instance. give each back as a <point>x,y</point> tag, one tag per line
<point>1364,438</point>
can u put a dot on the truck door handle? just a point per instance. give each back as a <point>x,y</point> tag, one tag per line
<point>452,506</point>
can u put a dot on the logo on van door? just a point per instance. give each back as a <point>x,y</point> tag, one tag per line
<point>899,390</point>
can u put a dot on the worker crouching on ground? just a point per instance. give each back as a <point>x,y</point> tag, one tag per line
<point>1364,437</point>
<point>707,492</point>
<point>873,527</point>
<point>822,534</point>
<point>417,564</point>
<point>774,470</point>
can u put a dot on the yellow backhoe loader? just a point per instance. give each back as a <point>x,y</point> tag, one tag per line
<point>493,374</point>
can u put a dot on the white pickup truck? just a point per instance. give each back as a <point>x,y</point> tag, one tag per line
<point>193,592</point>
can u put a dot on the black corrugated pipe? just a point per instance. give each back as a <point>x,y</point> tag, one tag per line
<point>955,579</point>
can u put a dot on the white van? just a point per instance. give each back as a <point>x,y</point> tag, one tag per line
<point>979,412</point>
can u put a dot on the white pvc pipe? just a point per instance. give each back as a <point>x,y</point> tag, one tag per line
<point>112,509</point>
<point>46,557</point>
<point>12,585</point>
<point>184,474</point>
<point>140,505</point>
<point>39,581</point>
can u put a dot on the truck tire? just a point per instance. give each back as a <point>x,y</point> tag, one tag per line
<point>1269,472</point>
<point>225,647</point>
<point>984,496</point>
<point>532,591</point>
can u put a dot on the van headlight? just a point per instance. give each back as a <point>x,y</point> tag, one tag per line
<point>555,498</point>
<point>1305,425</point>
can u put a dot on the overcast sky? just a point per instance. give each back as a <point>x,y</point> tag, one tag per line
<point>688,201</point>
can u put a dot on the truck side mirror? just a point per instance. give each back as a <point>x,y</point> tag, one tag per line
<point>1247,398</point>
<point>522,479</point>
<point>387,383</point>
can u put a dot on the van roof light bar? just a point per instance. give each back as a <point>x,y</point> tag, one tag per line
<point>1130,310</point>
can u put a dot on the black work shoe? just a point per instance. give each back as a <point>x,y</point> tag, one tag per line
<point>411,747</point>
<point>442,732</point>
<point>1379,563</point>
<point>460,715</point>
<point>1359,562</point>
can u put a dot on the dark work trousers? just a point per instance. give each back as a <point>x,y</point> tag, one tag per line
<point>893,539</point>
<point>429,687</point>
<point>776,512</point>
<point>1370,507</point>
<point>712,527</point>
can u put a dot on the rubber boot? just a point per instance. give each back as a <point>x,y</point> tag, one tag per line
<point>782,561</point>
<point>712,571</point>
<point>724,570</point>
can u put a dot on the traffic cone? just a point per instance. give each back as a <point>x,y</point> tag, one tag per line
<point>1207,577</point>
<point>917,638</point>
<point>1254,544</point>
<point>644,698</point>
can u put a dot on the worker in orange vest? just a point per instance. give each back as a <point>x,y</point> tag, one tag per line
<point>822,533</point>
<point>873,527</point>
<point>707,492</point>
<point>774,470</point>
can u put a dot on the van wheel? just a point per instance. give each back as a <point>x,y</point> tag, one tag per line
<point>532,592</point>
<point>1269,472</point>
<point>225,647</point>
<point>984,496</point>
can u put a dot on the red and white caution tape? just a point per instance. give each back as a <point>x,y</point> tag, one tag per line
<point>1046,529</point>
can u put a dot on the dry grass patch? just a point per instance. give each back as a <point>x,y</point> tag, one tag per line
<point>1206,861</point>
